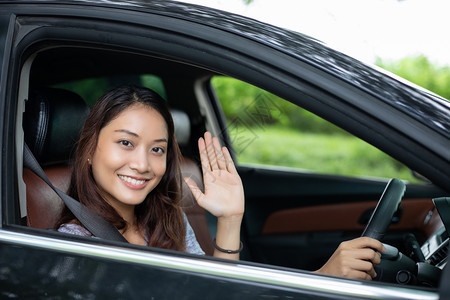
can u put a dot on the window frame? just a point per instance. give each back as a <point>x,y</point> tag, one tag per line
<point>33,33</point>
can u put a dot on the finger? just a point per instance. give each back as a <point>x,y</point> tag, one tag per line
<point>206,167</point>
<point>229,161</point>
<point>372,273</point>
<point>211,152</point>
<point>356,274</point>
<point>219,155</point>
<point>360,265</point>
<point>369,254</point>
<point>360,275</point>
<point>195,190</point>
<point>365,254</point>
<point>368,242</point>
<point>377,259</point>
<point>363,276</point>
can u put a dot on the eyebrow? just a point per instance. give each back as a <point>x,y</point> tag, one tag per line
<point>127,132</point>
<point>137,135</point>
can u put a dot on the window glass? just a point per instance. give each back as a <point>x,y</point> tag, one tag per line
<point>267,130</point>
<point>91,89</point>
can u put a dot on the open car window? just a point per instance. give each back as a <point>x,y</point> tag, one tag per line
<point>267,130</point>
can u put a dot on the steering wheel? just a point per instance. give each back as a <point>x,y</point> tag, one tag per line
<point>395,266</point>
<point>385,209</point>
<point>391,260</point>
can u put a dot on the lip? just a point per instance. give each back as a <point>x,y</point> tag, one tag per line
<point>134,182</point>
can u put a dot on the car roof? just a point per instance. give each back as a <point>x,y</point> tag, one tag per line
<point>422,105</point>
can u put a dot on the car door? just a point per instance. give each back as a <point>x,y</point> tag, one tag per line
<point>310,185</point>
<point>101,267</point>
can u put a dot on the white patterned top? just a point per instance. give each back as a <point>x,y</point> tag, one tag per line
<point>192,245</point>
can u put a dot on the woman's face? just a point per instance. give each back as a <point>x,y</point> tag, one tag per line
<point>130,158</point>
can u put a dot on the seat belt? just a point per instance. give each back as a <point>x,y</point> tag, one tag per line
<point>93,222</point>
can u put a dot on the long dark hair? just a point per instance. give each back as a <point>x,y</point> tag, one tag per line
<point>159,215</point>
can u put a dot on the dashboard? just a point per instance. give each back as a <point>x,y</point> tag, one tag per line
<point>435,249</point>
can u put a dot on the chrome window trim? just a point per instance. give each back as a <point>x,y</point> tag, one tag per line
<point>261,275</point>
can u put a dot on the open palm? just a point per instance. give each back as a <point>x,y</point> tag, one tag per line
<point>224,194</point>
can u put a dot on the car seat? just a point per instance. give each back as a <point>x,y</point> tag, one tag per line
<point>52,122</point>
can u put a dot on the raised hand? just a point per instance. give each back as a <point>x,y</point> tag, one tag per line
<point>224,194</point>
<point>355,259</point>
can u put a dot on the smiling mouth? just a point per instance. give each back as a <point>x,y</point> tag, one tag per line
<point>132,181</point>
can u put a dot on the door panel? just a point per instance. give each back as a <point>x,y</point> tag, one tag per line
<point>345,216</point>
<point>297,220</point>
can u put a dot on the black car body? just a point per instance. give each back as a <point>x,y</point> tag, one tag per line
<point>59,43</point>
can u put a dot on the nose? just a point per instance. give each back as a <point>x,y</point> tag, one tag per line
<point>140,161</point>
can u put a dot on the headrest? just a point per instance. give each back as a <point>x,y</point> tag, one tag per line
<point>52,123</point>
<point>182,126</point>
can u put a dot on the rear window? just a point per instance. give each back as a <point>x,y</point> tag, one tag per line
<point>90,89</point>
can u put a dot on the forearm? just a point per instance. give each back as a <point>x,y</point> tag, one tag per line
<point>228,236</point>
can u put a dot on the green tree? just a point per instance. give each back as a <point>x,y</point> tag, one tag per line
<point>421,71</point>
<point>252,106</point>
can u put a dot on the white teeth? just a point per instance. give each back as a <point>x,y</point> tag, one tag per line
<point>131,180</point>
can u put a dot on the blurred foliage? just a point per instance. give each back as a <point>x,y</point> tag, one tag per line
<point>91,89</point>
<point>258,120</point>
<point>250,106</point>
<point>421,71</point>
<point>319,153</point>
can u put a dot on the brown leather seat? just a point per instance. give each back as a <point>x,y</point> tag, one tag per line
<point>52,122</point>
<point>43,205</point>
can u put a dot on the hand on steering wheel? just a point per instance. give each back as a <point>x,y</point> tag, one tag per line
<point>357,258</point>
<point>382,216</point>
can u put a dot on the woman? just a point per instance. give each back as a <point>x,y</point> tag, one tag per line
<point>126,168</point>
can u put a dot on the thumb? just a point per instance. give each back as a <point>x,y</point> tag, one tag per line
<point>195,190</point>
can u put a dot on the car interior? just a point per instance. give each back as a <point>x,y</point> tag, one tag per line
<point>62,83</point>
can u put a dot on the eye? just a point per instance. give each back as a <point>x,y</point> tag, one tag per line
<point>158,150</point>
<point>125,143</point>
